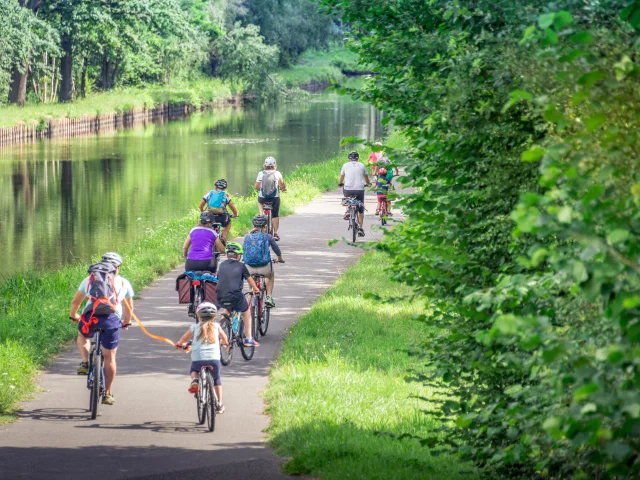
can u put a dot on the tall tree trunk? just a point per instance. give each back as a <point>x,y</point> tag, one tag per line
<point>104,74</point>
<point>66,69</point>
<point>18,92</point>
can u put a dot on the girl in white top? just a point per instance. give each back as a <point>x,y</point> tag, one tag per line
<point>206,339</point>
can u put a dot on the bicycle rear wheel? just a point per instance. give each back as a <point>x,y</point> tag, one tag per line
<point>226,352</point>
<point>263,326</point>
<point>354,226</point>
<point>211,403</point>
<point>201,403</point>
<point>247,352</point>
<point>94,395</point>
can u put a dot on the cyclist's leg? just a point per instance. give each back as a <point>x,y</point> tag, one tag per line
<point>361,208</point>
<point>217,381</point>
<point>109,366</point>
<point>243,308</point>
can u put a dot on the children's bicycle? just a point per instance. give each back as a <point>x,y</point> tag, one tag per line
<point>206,399</point>
<point>384,211</point>
<point>233,326</point>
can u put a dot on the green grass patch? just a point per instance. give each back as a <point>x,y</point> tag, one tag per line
<point>34,304</point>
<point>322,66</point>
<point>196,93</point>
<point>339,395</point>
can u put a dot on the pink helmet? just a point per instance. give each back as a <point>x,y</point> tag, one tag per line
<point>382,171</point>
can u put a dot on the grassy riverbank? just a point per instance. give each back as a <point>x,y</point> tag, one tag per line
<point>338,392</point>
<point>121,100</point>
<point>34,305</point>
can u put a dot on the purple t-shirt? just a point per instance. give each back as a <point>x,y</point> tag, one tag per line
<point>202,240</point>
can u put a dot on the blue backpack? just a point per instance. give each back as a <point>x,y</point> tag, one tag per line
<point>256,249</point>
<point>217,201</point>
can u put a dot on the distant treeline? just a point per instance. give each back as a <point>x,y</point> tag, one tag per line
<point>57,50</point>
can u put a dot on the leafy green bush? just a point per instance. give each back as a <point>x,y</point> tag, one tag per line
<point>531,267</point>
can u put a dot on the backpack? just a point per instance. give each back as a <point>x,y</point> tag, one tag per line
<point>102,292</point>
<point>269,184</point>
<point>256,249</point>
<point>217,201</point>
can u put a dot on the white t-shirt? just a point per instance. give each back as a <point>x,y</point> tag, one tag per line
<point>354,173</point>
<point>123,290</point>
<point>278,178</point>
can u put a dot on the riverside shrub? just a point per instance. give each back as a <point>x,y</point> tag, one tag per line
<point>523,231</point>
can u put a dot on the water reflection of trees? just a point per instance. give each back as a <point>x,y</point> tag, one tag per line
<point>67,199</point>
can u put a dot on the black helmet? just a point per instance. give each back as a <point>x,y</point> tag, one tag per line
<point>353,156</point>
<point>207,217</point>
<point>113,258</point>
<point>259,221</point>
<point>222,184</point>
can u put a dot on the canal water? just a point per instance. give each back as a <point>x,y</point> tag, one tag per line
<point>64,200</point>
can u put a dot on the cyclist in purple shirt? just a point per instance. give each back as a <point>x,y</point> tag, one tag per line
<point>198,246</point>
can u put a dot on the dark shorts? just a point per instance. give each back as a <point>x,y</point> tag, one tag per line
<point>110,338</point>
<point>201,265</point>
<point>239,305</point>
<point>275,210</point>
<point>215,373</point>
<point>359,194</point>
<point>223,219</point>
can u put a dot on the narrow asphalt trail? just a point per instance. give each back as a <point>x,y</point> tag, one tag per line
<point>151,431</point>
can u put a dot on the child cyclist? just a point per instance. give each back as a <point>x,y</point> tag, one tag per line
<point>383,181</point>
<point>207,336</point>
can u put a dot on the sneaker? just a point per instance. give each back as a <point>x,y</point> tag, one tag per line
<point>191,311</point>
<point>276,237</point>
<point>346,216</point>
<point>108,399</point>
<point>219,409</point>
<point>193,388</point>
<point>250,342</point>
<point>360,232</point>
<point>83,369</point>
<point>269,302</point>
<point>377,212</point>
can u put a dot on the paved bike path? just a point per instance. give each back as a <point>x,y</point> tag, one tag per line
<point>150,432</point>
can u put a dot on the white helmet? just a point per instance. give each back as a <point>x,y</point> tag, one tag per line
<point>269,162</point>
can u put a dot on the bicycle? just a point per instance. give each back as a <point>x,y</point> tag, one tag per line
<point>384,211</point>
<point>206,399</point>
<point>352,203</point>
<point>233,326</point>
<point>266,208</point>
<point>260,313</point>
<point>97,389</point>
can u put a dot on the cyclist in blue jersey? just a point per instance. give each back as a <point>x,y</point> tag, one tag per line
<point>217,201</point>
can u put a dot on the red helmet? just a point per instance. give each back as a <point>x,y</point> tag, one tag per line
<point>382,171</point>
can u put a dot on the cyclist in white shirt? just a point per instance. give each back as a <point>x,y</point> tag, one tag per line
<point>353,179</point>
<point>270,183</point>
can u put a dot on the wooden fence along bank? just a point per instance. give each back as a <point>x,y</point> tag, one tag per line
<point>91,125</point>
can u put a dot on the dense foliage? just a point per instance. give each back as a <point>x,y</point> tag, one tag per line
<point>54,50</point>
<point>523,230</point>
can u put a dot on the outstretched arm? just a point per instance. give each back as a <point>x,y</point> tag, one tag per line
<point>202,204</point>
<point>185,338</point>
<point>185,247</point>
<point>75,305</point>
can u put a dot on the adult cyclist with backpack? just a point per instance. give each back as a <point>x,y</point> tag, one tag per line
<point>270,183</point>
<point>105,291</point>
<point>353,179</point>
<point>257,254</point>
<point>217,201</point>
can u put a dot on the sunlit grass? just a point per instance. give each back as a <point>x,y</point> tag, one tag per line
<point>339,395</point>
<point>196,93</point>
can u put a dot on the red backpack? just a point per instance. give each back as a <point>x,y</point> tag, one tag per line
<point>102,293</point>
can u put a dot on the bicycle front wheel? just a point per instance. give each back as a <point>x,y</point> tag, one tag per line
<point>226,351</point>
<point>96,384</point>
<point>211,404</point>
<point>255,316</point>
<point>247,352</point>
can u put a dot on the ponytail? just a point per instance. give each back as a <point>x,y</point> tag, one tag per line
<point>207,332</point>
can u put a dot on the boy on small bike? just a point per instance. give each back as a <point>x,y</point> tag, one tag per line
<point>257,254</point>
<point>231,276</point>
<point>383,181</point>
<point>206,336</point>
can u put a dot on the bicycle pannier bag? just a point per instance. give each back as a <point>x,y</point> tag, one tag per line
<point>183,287</point>
<point>256,249</point>
<point>210,291</point>
<point>217,201</point>
<point>269,184</point>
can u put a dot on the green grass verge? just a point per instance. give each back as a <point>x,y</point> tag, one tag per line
<point>321,66</point>
<point>34,304</point>
<point>341,378</point>
<point>195,93</point>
